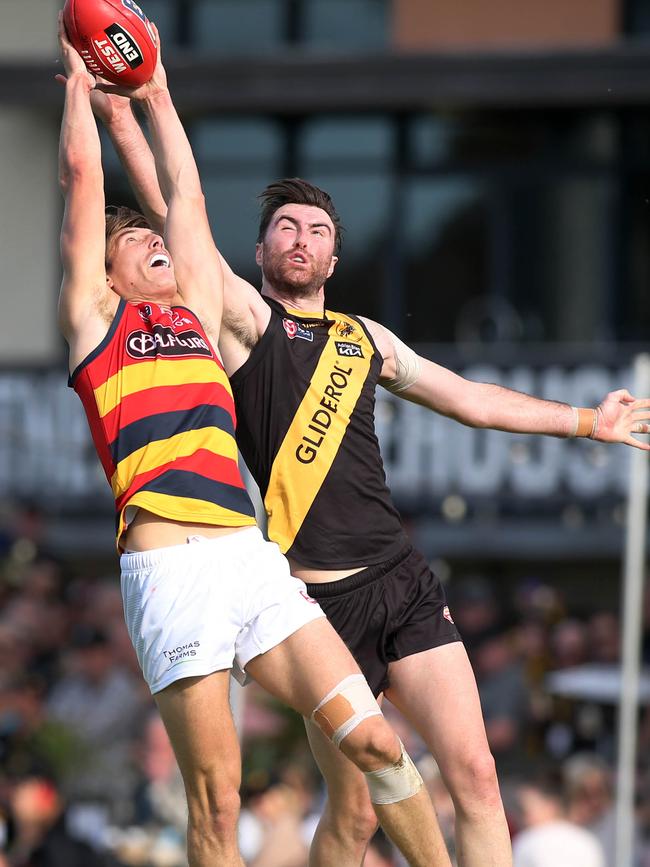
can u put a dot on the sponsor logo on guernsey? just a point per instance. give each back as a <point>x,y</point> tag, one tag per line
<point>349,350</point>
<point>345,329</point>
<point>125,44</point>
<point>172,317</point>
<point>182,652</point>
<point>447,614</point>
<point>321,420</point>
<point>294,330</point>
<point>164,341</point>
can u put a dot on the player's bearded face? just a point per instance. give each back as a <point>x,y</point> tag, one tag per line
<point>297,271</point>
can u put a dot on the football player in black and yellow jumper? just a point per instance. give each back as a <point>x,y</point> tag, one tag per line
<point>304,379</point>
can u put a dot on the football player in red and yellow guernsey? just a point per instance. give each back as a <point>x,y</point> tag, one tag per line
<point>204,594</point>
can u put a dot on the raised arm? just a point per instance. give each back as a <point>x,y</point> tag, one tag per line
<point>187,231</point>
<point>85,298</point>
<point>132,147</point>
<point>485,405</point>
<point>245,315</point>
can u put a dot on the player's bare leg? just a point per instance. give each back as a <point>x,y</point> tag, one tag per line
<point>343,832</point>
<point>196,713</point>
<point>436,691</point>
<point>301,671</point>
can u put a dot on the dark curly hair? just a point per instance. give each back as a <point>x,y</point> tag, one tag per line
<point>295,191</point>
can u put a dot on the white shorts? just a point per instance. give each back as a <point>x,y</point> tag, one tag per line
<point>210,605</point>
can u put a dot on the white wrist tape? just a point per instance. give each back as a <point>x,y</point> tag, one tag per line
<point>396,782</point>
<point>407,366</point>
<point>342,709</point>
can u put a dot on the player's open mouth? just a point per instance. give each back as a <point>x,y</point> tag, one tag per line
<point>159,261</point>
<point>298,259</point>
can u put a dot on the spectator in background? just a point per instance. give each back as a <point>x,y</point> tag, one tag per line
<point>159,798</point>
<point>548,839</point>
<point>504,697</point>
<point>569,644</point>
<point>40,836</point>
<point>273,829</point>
<point>102,704</point>
<point>475,608</point>
<point>590,801</point>
<point>604,638</point>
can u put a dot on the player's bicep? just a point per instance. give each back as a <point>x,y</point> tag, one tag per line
<point>82,248</point>
<point>439,389</point>
<point>197,264</point>
<point>409,375</point>
<point>244,309</point>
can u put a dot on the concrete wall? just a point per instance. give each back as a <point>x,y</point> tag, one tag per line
<point>479,24</point>
<point>30,213</point>
<point>28,28</point>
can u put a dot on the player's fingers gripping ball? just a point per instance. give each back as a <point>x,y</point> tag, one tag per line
<point>114,37</point>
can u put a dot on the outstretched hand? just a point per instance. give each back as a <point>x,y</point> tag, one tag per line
<point>619,416</point>
<point>156,84</point>
<point>108,106</point>
<point>72,61</point>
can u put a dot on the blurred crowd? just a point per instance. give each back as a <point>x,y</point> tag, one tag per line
<point>88,777</point>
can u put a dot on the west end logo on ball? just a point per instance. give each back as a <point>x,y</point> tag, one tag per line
<point>125,44</point>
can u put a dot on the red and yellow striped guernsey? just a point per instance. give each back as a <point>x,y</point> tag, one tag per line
<point>162,418</point>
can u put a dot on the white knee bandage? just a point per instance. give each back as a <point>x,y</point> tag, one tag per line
<point>396,782</point>
<point>347,705</point>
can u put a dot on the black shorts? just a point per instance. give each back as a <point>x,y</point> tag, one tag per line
<point>386,612</point>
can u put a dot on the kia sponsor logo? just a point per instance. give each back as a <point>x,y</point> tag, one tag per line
<point>349,350</point>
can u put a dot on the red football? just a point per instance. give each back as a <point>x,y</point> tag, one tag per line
<point>114,37</point>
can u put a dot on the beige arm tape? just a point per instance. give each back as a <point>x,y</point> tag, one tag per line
<point>407,367</point>
<point>585,422</point>
<point>396,782</point>
<point>342,709</point>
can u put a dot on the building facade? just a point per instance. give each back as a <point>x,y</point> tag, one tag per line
<point>491,167</point>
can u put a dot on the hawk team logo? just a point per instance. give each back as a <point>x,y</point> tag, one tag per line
<point>345,329</point>
<point>447,614</point>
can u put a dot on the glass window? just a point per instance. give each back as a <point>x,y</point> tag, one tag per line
<point>237,158</point>
<point>564,237</point>
<point>634,303</point>
<point>346,140</point>
<point>477,139</point>
<point>345,24</point>
<point>350,159</point>
<point>637,16</point>
<point>446,255</point>
<point>238,26</point>
<point>232,143</point>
